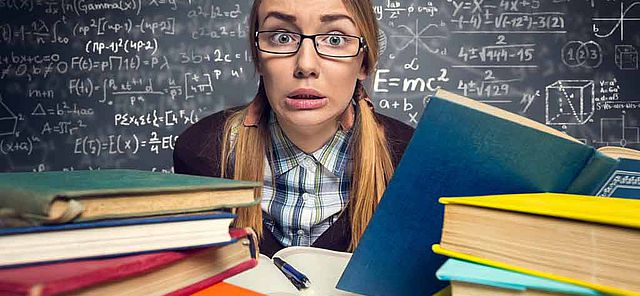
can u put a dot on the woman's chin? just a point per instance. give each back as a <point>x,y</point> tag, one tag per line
<point>302,118</point>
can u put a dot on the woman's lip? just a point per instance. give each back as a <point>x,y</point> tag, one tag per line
<point>306,104</point>
<point>309,92</point>
<point>303,98</point>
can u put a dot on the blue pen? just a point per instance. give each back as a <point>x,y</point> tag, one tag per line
<point>297,278</point>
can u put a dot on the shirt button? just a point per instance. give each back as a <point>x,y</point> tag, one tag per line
<point>306,195</point>
<point>301,232</point>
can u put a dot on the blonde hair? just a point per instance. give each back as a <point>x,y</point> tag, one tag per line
<point>371,167</point>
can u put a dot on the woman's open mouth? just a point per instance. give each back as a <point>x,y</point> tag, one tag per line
<point>305,99</point>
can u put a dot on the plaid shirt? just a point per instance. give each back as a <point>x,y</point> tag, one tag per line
<point>303,194</point>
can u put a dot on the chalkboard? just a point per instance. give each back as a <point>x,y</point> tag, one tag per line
<point>112,84</point>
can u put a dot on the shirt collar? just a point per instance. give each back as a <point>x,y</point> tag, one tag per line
<point>333,155</point>
<point>256,108</point>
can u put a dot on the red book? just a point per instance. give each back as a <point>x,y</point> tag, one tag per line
<point>174,272</point>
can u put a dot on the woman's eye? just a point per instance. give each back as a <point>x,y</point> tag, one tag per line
<point>282,38</point>
<point>335,40</point>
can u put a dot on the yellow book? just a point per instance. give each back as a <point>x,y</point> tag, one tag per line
<point>615,211</point>
<point>584,240</point>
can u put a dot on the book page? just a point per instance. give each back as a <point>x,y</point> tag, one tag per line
<point>620,152</point>
<point>322,267</point>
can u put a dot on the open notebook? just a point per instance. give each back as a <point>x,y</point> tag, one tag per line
<point>322,267</point>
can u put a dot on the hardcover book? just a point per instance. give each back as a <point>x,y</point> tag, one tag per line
<point>159,273</point>
<point>63,196</point>
<point>473,279</point>
<point>36,244</point>
<point>585,240</point>
<point>462,147</point>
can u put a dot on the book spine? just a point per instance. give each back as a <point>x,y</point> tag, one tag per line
<point>188,290</point>
<point>252,239</point>
<point>594,174</point>
<point>25,203</point>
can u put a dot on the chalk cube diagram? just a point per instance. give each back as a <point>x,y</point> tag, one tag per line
<point>626,57</point>
<point>569,102</point>
<point>8,120</point>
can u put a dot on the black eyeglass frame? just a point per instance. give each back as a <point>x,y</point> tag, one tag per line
<point>361,43</point>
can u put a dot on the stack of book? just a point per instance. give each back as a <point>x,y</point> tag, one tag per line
<point>463,147</point>
<point>111,232</point>
<point>541,244</point>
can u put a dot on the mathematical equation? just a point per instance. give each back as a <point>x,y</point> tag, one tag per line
<point>82,8</point>
<point>64,30</point>
<point>121,144</point>
<point>499,53</point>
<point>137,90</point>
<point>168,118</point>
<point>30,67</point>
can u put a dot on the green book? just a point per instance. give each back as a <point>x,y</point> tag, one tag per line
<point>58,197</point>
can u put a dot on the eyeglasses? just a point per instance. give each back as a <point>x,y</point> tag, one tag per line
<point>331,45</point>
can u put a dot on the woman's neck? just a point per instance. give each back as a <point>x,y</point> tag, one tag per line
<point>309,138</point>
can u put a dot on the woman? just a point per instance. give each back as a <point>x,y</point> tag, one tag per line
<point>310,134</point>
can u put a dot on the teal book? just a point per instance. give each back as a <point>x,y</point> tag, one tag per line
<point>34,198</point>
<point>462,147</point>
<point>470,278</point>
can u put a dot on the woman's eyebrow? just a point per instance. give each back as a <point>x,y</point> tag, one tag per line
<point>281,16</point>
<point>326,18</point>
<point>335,17</point>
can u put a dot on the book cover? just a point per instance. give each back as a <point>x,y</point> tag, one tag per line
<point>26,245</point>
<point>460,147</point>
<point>148,271</point>
<point>624,180</point>
<point>469,272</point>
<point>62,196</point>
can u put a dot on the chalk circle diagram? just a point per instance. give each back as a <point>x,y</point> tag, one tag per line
<point>382,42</point>
<point>586,54</point>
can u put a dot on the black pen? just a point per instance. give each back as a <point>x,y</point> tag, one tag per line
<point>297,278</point>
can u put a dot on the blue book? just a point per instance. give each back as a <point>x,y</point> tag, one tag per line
<point>477,275</point>
<point>462,147</point>
<point>49,243</point>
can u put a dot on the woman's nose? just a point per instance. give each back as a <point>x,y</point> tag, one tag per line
<point>307,61</point>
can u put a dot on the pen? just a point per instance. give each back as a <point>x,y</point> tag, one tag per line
<point>297,278</point>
